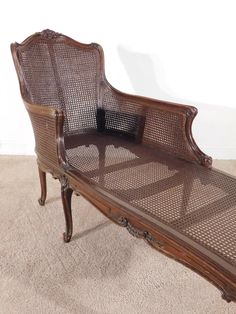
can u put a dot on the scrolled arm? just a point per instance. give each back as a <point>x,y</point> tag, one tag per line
<point>47,125</point>
<point>167,126</point>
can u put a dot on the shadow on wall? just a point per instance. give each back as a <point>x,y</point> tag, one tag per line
<point>141,71</point>
<point>214,129</point>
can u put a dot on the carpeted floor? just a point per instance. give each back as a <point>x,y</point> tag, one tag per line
<point>103,270</point>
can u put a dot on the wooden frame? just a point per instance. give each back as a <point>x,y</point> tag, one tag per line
<point>155,233</point>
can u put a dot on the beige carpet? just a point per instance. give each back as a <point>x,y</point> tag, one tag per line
<point>103,270</point>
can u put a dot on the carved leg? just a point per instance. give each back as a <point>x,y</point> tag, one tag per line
<point>42,177</point>
<point>66,194</point>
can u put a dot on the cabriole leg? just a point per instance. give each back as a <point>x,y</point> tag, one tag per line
<point>42,177</point>
<point>66,194</point>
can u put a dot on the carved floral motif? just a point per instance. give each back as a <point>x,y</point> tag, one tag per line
<point>206,161</point>
<point>49,34</point>
<point>137,232</point>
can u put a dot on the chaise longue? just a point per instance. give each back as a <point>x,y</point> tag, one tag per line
<point>132,157</point>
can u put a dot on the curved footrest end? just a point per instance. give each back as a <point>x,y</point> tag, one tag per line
<point>225,296</point>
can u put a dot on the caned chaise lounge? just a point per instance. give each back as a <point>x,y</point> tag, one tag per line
<point>132,157</point>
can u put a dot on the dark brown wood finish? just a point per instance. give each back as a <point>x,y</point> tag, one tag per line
<point>48,123</point>
<point>42,177</point>
<point>66,194</point>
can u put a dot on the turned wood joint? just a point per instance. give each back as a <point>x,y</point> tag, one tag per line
<point>138,233</point>
<point>64,183</point>
<point>65,164</point>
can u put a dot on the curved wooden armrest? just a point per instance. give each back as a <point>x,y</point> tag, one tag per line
<point>153,103</point>
<point>48,128</point>
<point>43,110</point>
<point>178,119</point>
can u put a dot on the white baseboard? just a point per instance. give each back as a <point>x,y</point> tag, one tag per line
<point>16,149</point>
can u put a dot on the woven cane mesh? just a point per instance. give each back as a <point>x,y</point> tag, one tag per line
<point>196,201</point>
<point>45,137</point>
<point>166,130</point>
<point>121,115</point>
<point>38,74</point>
<point>64,77</point>
<point>159,128</point>
<point>77,72</point>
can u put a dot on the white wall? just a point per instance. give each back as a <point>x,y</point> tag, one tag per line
<point>183,51</point>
